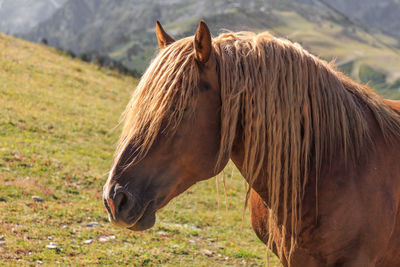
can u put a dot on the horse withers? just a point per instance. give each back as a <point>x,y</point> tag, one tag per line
<point>320,152</point>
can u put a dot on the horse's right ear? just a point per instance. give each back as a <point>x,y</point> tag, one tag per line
<point>162,37</point>
<point>202,43</point>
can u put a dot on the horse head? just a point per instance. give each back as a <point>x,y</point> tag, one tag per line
<point>171,136</point>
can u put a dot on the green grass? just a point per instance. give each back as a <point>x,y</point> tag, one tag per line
<point>57,120</point>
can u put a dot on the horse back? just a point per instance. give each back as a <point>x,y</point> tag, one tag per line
<point>393,104</point>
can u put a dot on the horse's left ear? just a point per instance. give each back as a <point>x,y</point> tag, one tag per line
<point>163,38</point>
<point>202,43</point>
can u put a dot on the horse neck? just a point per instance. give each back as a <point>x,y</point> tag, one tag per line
<point>237,156</point>
<point>376,134</point>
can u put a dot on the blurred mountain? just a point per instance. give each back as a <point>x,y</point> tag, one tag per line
<point>124,29</point>
<point>99,25</point>
<point>20,16</point>
<point>380,14</point>
<point>103,25</point>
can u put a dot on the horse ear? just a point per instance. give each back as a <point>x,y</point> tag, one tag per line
<point>202,43</point>
<point>162,37</point>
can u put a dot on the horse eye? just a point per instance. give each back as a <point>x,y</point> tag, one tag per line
<point>204,86</point>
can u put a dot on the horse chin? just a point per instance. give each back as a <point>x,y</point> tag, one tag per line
<point>145,222</point>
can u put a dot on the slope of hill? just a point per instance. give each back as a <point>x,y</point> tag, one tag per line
<point>57,120</point>
<point>20,16</point>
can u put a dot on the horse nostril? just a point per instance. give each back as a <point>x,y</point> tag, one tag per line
<point>120,200</point>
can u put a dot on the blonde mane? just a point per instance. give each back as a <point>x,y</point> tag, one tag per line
<point>297,112</point>
<point>164,91</point>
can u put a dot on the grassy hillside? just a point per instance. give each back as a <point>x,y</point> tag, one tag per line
<point>57,116</point>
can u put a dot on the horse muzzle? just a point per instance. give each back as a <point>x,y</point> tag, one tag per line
<point>127,211</point>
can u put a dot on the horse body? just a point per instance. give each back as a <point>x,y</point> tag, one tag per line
<point>319,151</point>
<point>358,221</point>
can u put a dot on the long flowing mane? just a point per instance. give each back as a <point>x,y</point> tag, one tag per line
<point>296,112</point>
<point>164,91</point>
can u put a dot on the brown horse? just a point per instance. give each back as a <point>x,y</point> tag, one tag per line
<point>319,151</point>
